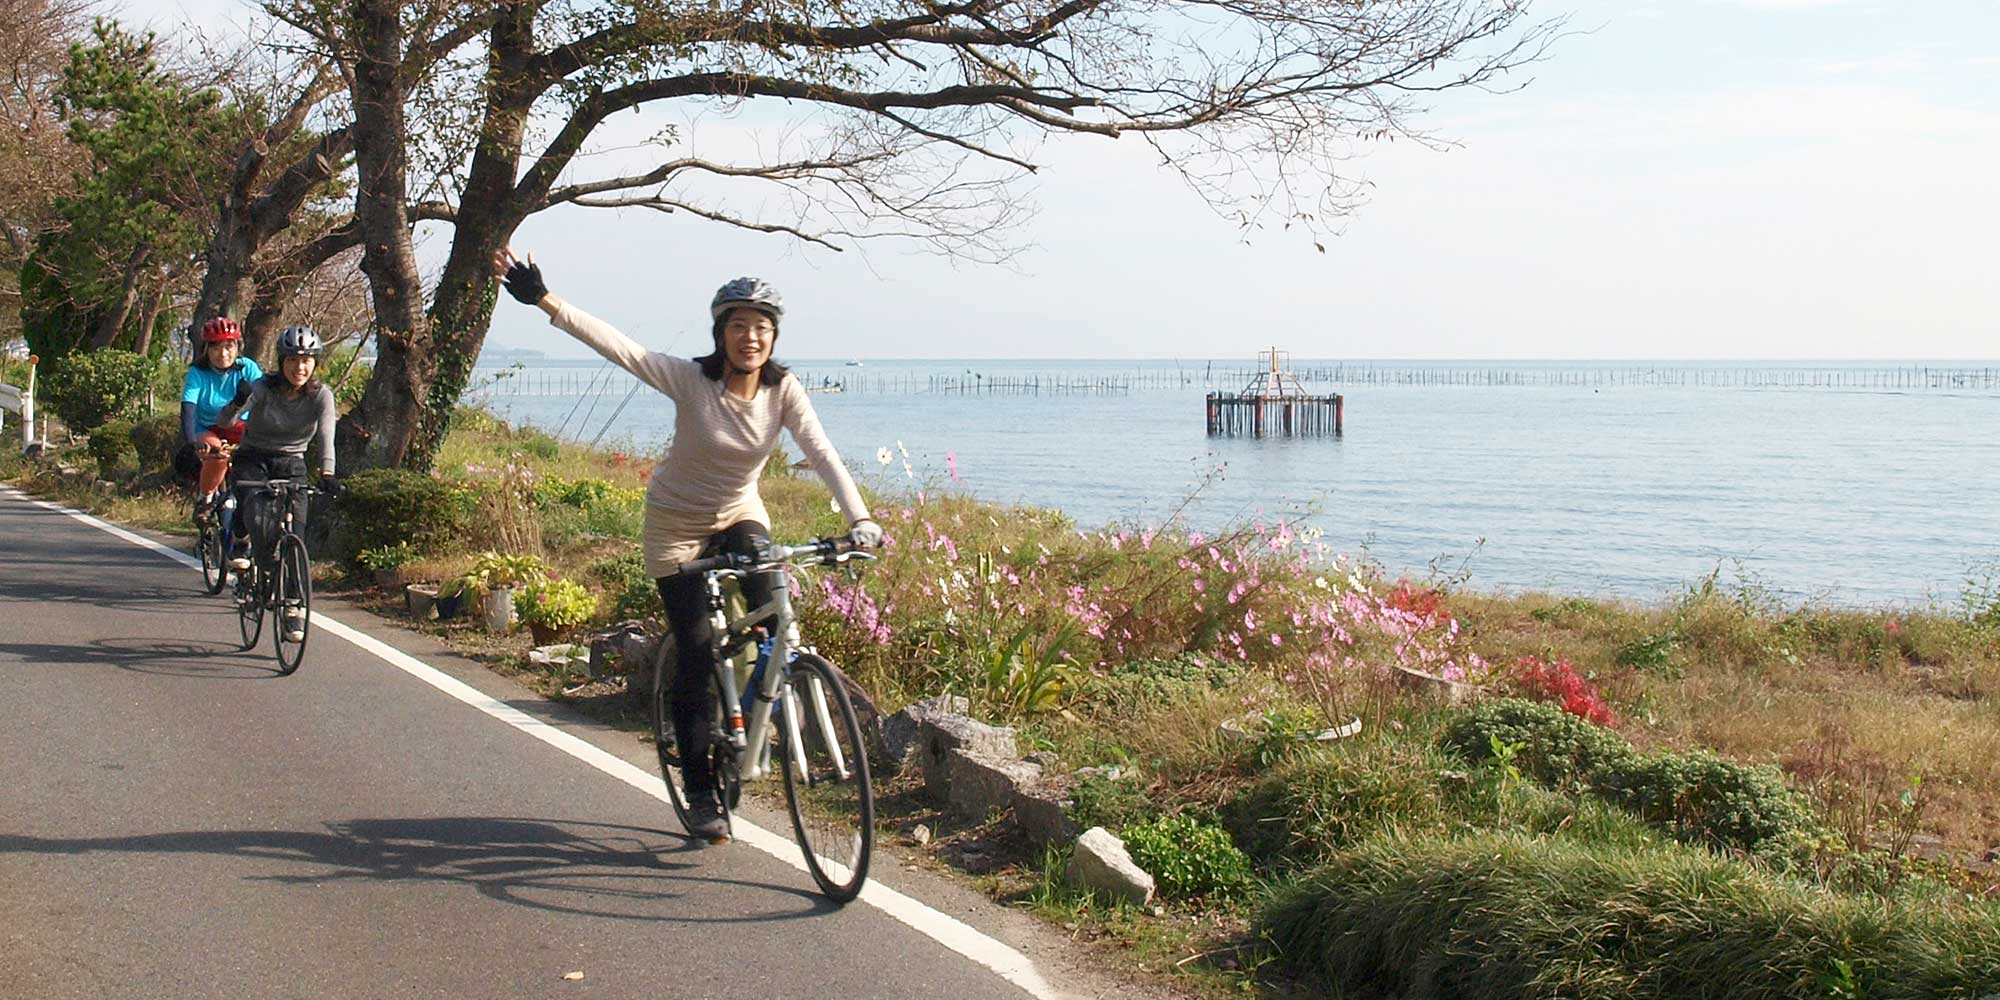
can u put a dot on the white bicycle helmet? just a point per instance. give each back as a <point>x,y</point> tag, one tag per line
<point>299,340</point>
<point>753,292</point>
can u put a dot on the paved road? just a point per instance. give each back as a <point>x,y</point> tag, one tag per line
<point>177,821</point>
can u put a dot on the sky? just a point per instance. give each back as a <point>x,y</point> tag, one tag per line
<point>1678,179</point>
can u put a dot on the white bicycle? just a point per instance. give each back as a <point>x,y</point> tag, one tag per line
<point>798,713</point>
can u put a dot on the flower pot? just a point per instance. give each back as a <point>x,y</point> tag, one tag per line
<point>422,600</point>
<point>547,634</point>
<point>449,606</point>
<point>499,609</point>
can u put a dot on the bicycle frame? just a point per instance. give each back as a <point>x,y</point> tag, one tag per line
<point>729,634</point>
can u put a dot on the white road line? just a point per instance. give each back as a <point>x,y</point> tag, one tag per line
<point>946,930</point>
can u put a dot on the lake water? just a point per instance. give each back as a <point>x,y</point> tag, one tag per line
<point>1875,486</point>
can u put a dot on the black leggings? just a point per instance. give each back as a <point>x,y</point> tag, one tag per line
<point>686,603</point>
<point>260,513</point>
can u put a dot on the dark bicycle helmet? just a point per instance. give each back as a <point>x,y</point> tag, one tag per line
<point>299,340</point>
<point>753,292</point>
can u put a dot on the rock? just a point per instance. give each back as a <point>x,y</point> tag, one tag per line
<point>628,647</point>
<point>1041,810</point>
<point>978,784</point>
<point>1447,691</point>
<point>922,834</point>
<point>939,735</point>
<point>899,731</point>
<point>1044,758</point>
<point>1101,863</point>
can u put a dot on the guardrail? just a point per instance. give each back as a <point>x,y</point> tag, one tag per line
<point>17,399</point>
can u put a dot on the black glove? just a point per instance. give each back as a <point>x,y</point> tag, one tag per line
<point>332,486</point>
<point>524,282</point>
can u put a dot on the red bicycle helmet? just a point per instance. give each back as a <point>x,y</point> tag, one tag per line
<point>220,328</point>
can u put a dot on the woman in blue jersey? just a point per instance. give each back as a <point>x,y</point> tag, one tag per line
<point>211,383</point>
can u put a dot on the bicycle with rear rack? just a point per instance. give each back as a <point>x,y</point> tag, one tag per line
<point>795,717</point>
<point>278,581</point>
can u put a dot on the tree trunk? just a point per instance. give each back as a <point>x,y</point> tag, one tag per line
<point>229,255</point>
<point>488,213</point>
<point>150,312</point>
<point>379,430</point>
<point>113,322</point>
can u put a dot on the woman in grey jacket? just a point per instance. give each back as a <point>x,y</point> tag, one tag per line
<point>292,408</point>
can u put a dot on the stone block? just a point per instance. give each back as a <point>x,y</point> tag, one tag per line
<point>978,784</point>
<point>1041,809</point>
<point>940,735</point>
<point>899,731</point>
<point>1102,863</point>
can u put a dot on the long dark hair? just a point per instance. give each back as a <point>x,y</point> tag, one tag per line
<point>716,362</point>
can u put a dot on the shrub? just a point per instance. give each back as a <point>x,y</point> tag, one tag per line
<point>386,556</point>
<point>1490,917</point>
<point>1100,799</point>
<point>388,507</point>
<point>155,439</point>
<point>88,388</point>
<point>625,576</point>
<point>1702,797</point>
<point>558,604</point>
<point>111,446</point>
<point>1556,747</point>
<point>1698,796</point>
<point>1315,803</point>
<point>1189,859</point>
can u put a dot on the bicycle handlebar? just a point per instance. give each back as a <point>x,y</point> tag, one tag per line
<point>823,550</point>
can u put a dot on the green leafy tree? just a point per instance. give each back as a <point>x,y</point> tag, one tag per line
<point>154,151</point>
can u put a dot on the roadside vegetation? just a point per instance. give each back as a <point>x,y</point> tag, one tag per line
<point>1712,794</point>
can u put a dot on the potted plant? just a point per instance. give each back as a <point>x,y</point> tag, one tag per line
<point>386,561</point>
<point>495,576</point>
<point>554,608</point>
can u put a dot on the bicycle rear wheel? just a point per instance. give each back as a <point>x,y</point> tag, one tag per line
<point>291,605</point>
<point>214,570</point>
<point>827,787</point>
<point>250,604</point>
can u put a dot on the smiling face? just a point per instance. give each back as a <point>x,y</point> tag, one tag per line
<point>747,337</point>
<point>299,368</point>
<point>222,353</point>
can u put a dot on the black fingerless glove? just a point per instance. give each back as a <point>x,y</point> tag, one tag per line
<point>524,282</point>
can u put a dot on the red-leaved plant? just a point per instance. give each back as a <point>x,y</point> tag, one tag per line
<point>1560,683</point>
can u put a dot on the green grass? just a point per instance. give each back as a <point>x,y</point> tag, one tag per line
<point>1513,915</point>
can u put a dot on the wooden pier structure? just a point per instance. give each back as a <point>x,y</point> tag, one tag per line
<point>1274,404</point>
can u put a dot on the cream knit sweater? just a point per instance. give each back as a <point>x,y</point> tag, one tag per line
<point>708,478</point>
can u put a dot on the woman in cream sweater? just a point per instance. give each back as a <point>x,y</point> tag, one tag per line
<point>729,406</point>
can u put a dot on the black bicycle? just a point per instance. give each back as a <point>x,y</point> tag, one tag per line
<point>779,706</point>
<point>278,580</point>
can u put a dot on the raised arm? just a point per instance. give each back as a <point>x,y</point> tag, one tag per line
<point>523,280</point>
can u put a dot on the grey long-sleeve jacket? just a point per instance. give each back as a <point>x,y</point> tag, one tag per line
<point>286,423</point>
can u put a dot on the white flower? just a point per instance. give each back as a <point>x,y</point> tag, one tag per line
<point>908,472</point>
<point>1320,582</point>
<point>905,451</point>
<point>884,456</point>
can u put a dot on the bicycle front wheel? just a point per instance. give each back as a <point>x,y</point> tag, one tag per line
<point>214,571</point>
<point>291,604</point>
<point>827,786</point>
<point>250,604</point>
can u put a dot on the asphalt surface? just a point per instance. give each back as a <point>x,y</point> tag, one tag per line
<point>176,820</point>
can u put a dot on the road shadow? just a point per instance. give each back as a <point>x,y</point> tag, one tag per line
<point>564,866</point>
<point>204,659</point>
